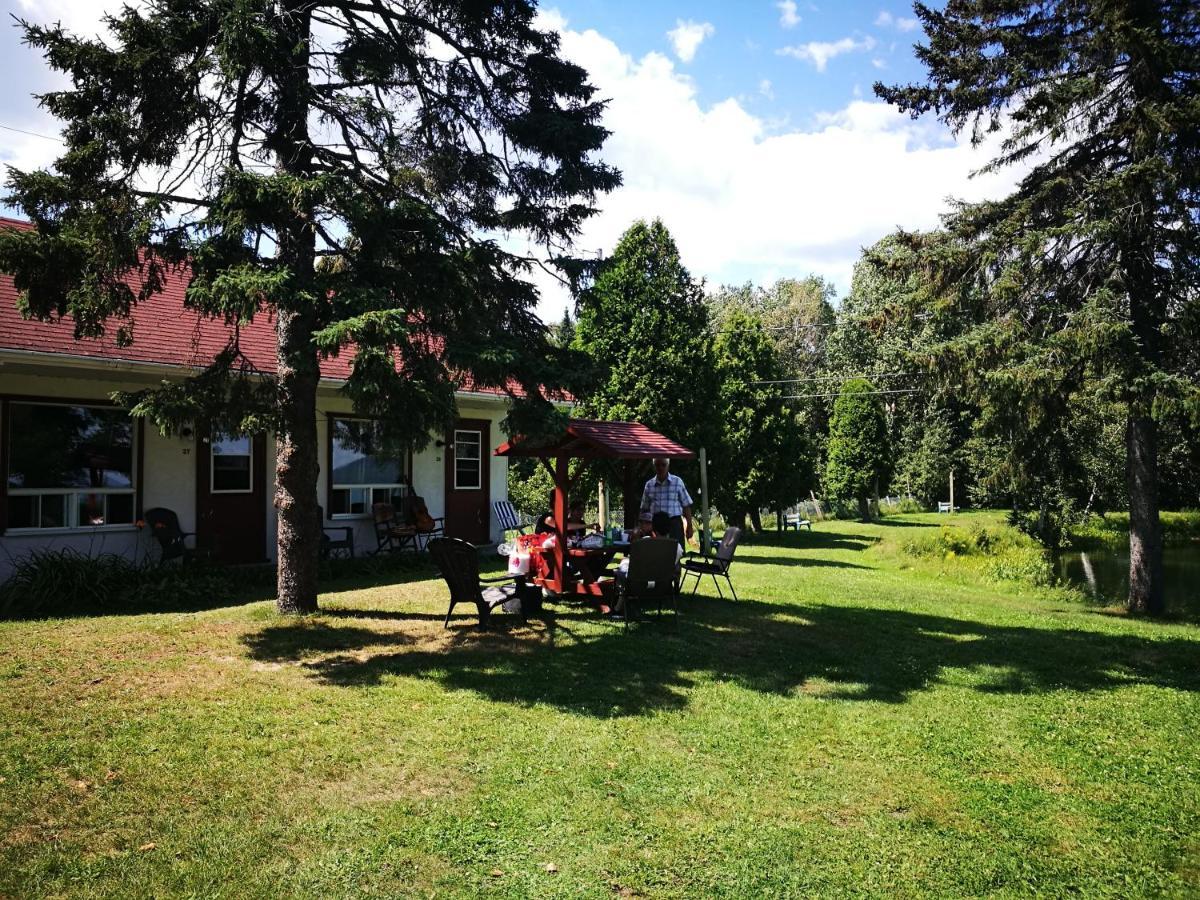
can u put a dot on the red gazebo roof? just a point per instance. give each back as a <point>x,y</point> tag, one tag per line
<point>594,439</point>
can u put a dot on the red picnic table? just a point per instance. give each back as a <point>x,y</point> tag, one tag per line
<point>591,439</point>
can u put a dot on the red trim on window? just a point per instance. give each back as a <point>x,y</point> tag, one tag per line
<point>3,464</point>
<point>139,474</point>
<point>328,509</point>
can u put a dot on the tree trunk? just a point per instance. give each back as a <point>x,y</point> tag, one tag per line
<point>296,464</point>
<point>756,520</point>
<point>1145,532</point>
<point>864,508</point>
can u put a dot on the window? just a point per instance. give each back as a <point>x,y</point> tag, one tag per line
<point>362,470</point>
<point>69,466</point>
<point>232,469</point>
<point>468,460</point>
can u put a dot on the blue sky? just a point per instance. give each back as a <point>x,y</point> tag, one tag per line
<point>744,47</point>
<point>750,128</point>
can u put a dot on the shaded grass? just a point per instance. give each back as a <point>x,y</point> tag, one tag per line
<point>864,722</point>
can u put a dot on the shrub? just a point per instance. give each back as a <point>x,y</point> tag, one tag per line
<point>67,582</point>
<point>1028,564</point>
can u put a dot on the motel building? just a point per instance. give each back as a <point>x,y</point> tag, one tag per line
<point>78,471</point>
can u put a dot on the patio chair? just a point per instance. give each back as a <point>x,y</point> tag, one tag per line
<point>331,544</point>
<point>506,515</point>
<point>417,517</point>
<point>717,565</point>
<point>458,561</point>
<point>171,538</point>
<point>652,576</point>
<point>391,534</point>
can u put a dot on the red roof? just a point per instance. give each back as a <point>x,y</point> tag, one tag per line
<point>164,332</point>
<point>592,438</point>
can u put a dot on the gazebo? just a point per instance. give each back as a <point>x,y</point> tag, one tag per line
<point>592,439</point>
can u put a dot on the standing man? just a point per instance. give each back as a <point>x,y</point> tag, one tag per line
<point>665,493</point>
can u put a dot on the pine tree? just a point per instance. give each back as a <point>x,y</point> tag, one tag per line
<point>345,166</point>
<point>859,456</point>
<point>1089,268</point>
<point>645,326</point>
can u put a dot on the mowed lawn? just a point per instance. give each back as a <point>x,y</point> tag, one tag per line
<point>859,723</point>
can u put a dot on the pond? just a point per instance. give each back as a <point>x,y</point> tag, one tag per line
<point>1104,575</point>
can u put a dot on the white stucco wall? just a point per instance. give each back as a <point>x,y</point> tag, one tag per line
<point>169,477</point>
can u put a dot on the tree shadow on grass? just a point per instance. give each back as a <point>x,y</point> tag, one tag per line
<point>298,641</point>
<point>841,653</point>
<point>804,561</point>
<point>817,540</point>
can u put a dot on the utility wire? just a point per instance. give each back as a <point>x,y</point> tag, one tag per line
<point>45,137</point>
<point>856,394</point>
<point>866,375</point>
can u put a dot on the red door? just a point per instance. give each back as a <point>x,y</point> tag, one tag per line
<point>231,498</point>
<point>468,496</point>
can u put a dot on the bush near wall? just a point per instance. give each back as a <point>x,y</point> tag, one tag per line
<point>66,582</point>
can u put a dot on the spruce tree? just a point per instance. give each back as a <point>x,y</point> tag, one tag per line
<point>1088,270</point>
<point>348,167</point>
<point>645,326</point>
<point>859,460</point>
<point>763,460</point>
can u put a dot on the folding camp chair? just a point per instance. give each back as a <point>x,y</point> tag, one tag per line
<point>717,565</point>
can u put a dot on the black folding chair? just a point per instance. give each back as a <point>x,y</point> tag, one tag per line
<point>651,576</point>
<point>458,561</point>
<point>171,538</point>
<point>717,565</point>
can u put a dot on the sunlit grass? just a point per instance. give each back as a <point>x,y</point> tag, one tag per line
<point>865,721</point>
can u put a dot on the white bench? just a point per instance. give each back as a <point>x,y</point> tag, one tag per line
<point>945,507</point>
<point>795,521</point>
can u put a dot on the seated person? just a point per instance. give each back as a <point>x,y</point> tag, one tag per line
<point>575,515</point>
<point>660,526</point>
<point>545,522</point>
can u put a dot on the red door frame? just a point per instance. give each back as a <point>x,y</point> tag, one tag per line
<point>468,512</point>
<point>233,527</point>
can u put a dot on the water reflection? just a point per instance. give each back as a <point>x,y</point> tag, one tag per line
<point>1104,575</point>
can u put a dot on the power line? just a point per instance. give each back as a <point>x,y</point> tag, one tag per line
<point>866,375</point>
<point>856,394</point>
<point>45,137</point>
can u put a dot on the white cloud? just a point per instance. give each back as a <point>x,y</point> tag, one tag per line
<point>788,17</point>
<point>751,198</point>
<point>819,53</point>
<point>886,20</point>
<point>879,63</point>
<point>765,88</point>
<point>81,16</point>
<point>686,37</point>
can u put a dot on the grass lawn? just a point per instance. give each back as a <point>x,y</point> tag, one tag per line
<point>862,722</point>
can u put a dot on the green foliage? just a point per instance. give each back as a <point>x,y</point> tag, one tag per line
<point>66,582</point>
<point>996,552</point>
<point>763,459</point>
<point>646,329</point>
<point>529,487</point>
<point>1082,280</point>
<point>798,317</point>
<point>859,457</point>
